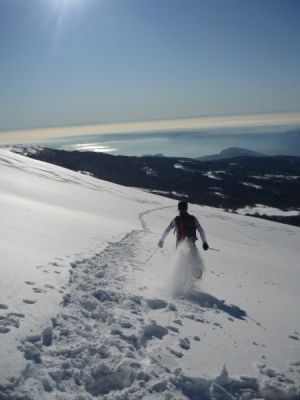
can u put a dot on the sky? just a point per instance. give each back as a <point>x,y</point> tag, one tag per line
<point>71,62</point>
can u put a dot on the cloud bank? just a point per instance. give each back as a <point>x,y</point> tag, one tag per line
<point>213,122</point>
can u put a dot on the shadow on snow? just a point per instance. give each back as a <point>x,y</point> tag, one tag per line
<point>208,301</point>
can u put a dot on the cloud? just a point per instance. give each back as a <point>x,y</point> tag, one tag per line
<point>213,122</point>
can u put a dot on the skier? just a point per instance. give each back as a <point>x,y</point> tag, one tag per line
<point>185,226</point>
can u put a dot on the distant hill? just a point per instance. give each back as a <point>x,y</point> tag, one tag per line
<point>232,183</point>
<point>232,152</point>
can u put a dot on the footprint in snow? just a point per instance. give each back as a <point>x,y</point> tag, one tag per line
<point>294,337</point>
<point>28,301</point>
<point>54,264</point>
<point>156,304</point>
<point>126,324</point>
<point>4,329</point>
<point>173,328</point>
<point>184,343</point>
<point>49,286</point>
<point>100,274</point>
<point>175,352</point>
<point>16,314</point>
<point>152,331</point>
<point>11,319</point>
<point>30,283</point>
<point>3,307</point>
<point>177,321</point>
<point>38,290</point>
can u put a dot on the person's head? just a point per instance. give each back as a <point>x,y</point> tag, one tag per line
<point>182,206</point>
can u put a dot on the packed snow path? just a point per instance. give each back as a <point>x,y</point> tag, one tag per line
<point>103,344</point>
<point>109,343</point>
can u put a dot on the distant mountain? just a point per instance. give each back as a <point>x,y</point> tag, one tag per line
<point>232,152</point>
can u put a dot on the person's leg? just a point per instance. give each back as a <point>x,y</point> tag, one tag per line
<point>197,270</point>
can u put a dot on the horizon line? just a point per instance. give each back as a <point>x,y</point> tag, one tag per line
<point>278,119</point>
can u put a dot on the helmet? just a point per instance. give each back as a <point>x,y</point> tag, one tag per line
<point>182,206</point>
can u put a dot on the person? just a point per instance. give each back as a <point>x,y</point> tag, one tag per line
<point>185,226</point>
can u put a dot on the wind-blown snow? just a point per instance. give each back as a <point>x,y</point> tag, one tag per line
<point>90,308</point>
<point>182,280</point>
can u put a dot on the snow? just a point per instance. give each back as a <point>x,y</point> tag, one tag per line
<point>25,150</point>
<point>86,173</point>
<point>217,191</point>
<point>262,209</point>
<point>212,175</point>
<point>149,171</point>
<point>209,174</point>
<point>48,216</point>
<point>220,194</point>
<point>249,184</point>
<point>276,176</point>
<point>108,315</point>
<point>162,192</point>
<point>179,195</point>
<point>179,166</point>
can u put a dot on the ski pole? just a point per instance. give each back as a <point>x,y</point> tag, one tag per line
<point>211,248</point>
<point>149,258</point>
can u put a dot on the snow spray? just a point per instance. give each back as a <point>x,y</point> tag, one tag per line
<point>187,268</point>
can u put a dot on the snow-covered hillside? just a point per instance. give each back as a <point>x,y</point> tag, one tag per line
<point>84,312</point>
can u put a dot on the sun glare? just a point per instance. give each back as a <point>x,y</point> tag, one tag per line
<point>63,12</point>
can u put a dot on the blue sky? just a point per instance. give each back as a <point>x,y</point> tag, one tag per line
<point>87,61</point>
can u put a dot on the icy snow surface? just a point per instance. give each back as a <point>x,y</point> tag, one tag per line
<point>90,308</point>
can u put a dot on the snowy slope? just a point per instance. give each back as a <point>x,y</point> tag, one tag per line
<point>83,316</point>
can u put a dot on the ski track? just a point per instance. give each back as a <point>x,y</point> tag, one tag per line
<point>143,222</point>
<point>105,343</point>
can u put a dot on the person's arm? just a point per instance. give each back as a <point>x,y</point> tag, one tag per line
<point>171,226</point>
<point>202,234</point>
